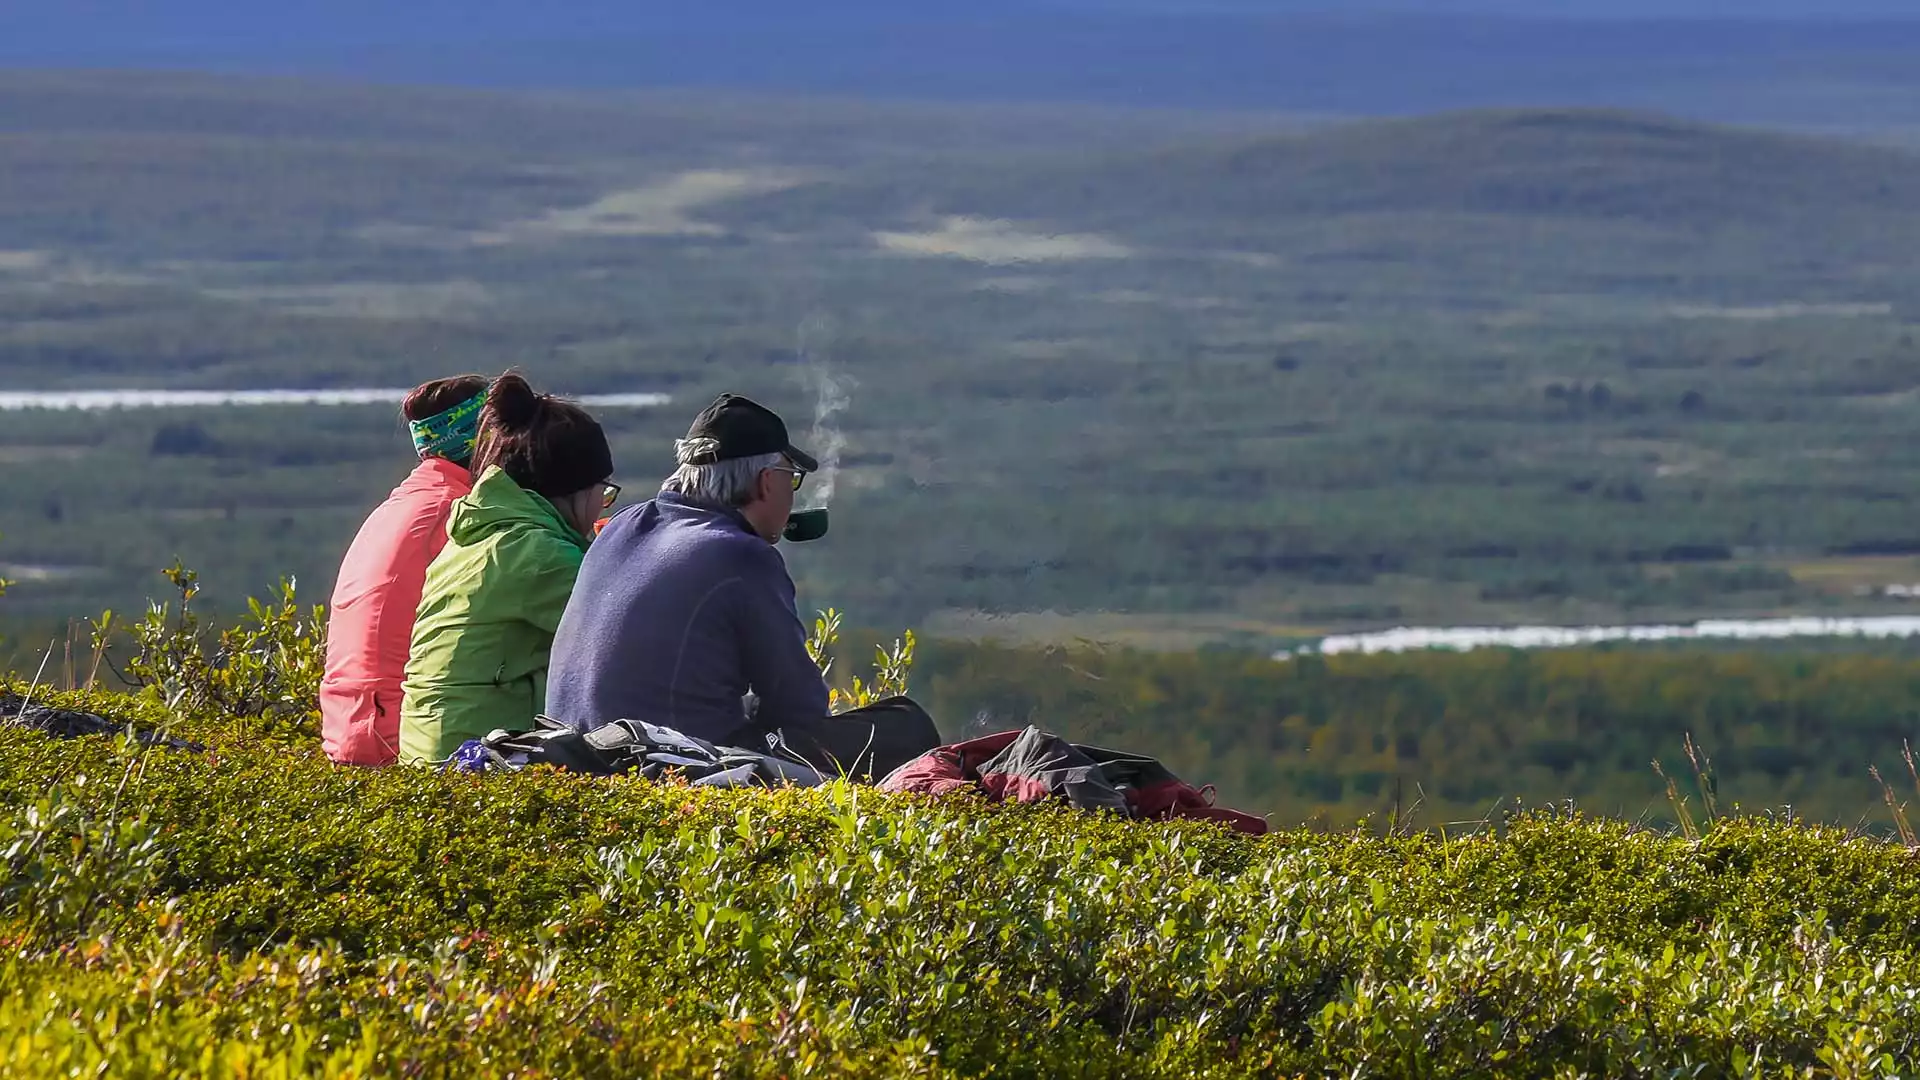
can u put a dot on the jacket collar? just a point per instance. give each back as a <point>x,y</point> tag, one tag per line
<point>497,502</point>
<point>731,513</point>
<point>439,472</point>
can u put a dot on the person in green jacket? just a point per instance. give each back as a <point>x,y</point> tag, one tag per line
<point>495,593</point>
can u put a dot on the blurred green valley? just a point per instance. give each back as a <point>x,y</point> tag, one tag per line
<point>1168,378</point>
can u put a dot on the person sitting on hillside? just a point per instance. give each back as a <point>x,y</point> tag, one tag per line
<point>684,612</point>
<point>370,615</point>
<point>494,594</point>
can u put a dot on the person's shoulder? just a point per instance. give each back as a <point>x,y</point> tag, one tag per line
<point>702,525</point>
<point>717,539</point>
<point>402,522</point>
<point>725,551</point>
<point>434,480</point>
<point>530,543</point>
<point>754,556</point>
<point>637,517</point>
<point>420,503</point>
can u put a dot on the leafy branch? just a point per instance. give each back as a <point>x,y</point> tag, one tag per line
<point>264,668</point>
<point>892,666</point>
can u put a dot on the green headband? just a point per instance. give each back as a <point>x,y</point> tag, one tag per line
<point>449,434</point>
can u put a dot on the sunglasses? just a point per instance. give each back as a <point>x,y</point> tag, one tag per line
<point>607,497</point>
<point>798,474</point>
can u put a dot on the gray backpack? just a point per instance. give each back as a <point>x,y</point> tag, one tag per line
<point>627,746</point>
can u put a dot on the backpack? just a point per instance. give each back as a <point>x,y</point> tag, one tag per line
<point>1035,765</point>
<point>74,724</point>
<point>628,746</point>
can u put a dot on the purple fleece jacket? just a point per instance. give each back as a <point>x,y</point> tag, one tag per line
<point>678,611</point>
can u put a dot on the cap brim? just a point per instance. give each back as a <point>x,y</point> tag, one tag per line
<point>802,458</point>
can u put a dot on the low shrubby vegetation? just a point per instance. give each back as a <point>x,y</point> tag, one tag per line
<point>255,910</point>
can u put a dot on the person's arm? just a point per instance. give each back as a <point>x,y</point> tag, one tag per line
<point>773,646</point>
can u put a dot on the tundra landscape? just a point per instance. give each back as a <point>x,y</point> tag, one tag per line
<point>1478,443</point>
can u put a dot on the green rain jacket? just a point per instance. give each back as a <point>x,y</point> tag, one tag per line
<point>493,597</point>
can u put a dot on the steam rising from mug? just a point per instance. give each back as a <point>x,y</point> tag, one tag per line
<point>830,395</point>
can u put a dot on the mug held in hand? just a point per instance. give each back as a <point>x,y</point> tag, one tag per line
<point>804,525</point>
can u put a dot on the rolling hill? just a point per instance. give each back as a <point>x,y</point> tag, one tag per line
<point>154,149</point>
<point>1541,162</point>
<point>1575,163</point>
<point>1561,193</point>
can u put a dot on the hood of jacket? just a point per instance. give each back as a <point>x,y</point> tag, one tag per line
<point>498,504</point>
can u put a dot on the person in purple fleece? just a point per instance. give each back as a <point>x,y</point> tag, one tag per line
<point>683,612</point>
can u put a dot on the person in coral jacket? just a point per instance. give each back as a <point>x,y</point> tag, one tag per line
<point>371,615</point>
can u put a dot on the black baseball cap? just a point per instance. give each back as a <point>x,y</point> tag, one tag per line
<point>744,428</point>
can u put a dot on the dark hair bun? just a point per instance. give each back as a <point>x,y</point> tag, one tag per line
<point>512,402</point>
<point>548,445</point>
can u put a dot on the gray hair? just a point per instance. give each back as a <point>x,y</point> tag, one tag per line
<point>723,483</point>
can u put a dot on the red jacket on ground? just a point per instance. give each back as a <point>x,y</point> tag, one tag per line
<point>370,620</point>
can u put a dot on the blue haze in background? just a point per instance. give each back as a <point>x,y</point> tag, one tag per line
<point>1782,60</point>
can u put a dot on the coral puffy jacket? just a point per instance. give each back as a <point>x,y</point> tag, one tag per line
<point>370,622</point>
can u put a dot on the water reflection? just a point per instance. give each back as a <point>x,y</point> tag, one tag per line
<point>1463,638</point>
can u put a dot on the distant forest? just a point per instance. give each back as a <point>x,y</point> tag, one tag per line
<point>1334,739</point>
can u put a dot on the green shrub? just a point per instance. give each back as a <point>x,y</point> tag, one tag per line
<point>892,667</point>
<point>263,670</point>
<point>267,912</point>
<point>70,867</point>
<point>255,910</point>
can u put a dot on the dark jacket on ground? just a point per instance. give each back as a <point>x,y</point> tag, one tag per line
<point>680,610</point>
